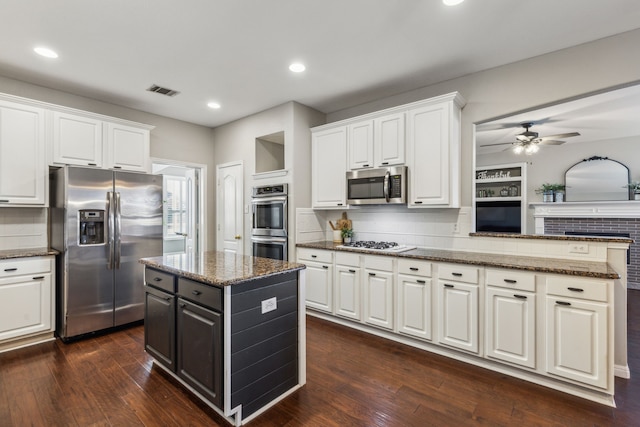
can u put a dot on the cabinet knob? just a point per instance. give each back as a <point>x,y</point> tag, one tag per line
<point>325,266</point>
<point>157,279</point>
<point>237,237</point>
<point>196,293</point>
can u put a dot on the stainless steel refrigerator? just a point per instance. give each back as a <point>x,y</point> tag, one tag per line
<point>102,222</point>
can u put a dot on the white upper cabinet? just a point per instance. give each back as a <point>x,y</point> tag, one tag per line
<point>388,136</point>
<point>361,145</point>
<point>127,147</point>
<point>22,155</point>
<point>329,168</point>
<point>77,140</point>
<point>433,145</point>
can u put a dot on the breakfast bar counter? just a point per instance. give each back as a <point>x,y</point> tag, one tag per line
<point>230,328</point>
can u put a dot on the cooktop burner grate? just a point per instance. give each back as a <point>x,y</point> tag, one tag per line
<point>377,246</point>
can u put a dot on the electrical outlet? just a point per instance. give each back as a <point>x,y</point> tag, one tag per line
<point>456,229</point>
<point>269,305</point>
<point>578,248</point>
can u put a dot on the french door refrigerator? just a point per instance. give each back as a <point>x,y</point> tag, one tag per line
<point>102,222</point>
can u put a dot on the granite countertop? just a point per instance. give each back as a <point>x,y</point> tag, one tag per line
<point>554,237</point>
<point>600,270</point>
<point>220,268</point>
<point>26,253</point>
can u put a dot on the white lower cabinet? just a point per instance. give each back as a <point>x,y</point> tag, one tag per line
<point>458,304</point>
<point>576,338</point>
<point>414,299</point>
<point>378,291</point>
<point>26,298</point>
<point>319,278</point>
<point>511,326</point>
<point>348,281</point>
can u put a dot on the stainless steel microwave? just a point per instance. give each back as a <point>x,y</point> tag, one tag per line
<point>377,186</point>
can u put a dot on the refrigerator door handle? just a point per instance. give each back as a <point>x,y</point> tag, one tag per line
<point>110,225</point>
<point>118,233</point>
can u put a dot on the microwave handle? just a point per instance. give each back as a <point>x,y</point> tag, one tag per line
<point>386,183</point>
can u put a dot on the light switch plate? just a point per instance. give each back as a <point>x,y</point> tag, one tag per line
<point>269,305</point>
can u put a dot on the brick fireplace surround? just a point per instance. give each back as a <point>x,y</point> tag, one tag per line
<point>617,218</point>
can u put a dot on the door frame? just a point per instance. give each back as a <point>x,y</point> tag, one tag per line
<point>201,221</point>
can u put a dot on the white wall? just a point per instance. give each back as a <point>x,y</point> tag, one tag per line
<point>170,139</point>
<point>523,85</point>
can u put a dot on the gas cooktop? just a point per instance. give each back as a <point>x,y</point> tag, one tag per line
<point>368,245</point>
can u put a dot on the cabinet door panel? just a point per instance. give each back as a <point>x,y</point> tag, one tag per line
<point>25,305</point>
<point>319,286</point>
<point>389,145</point>
<point>77,140</point>
<point>329,167</point>
<point>22,160</point>
<point>458,305</point>
<point>577,340</point>
<point>378,294</point>
<point>361,145</point>
<point>128,147</point>
<point>348,292</point>
<point>414,306</point>
<point>511,326</point>
<point>159,322</point>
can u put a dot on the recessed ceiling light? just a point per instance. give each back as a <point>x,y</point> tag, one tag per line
<point>45,51</point>
<point>452,2</point>
<point>213,105</point>
<point>297,67</point>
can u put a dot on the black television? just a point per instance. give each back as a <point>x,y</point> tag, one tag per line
<point>499,216</point>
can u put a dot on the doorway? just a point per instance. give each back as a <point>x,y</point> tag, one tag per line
<point>183,206</point>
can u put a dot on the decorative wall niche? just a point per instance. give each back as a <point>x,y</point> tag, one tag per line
<point>270,152</point>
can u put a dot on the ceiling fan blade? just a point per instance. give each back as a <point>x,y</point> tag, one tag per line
<point>501,143</point>
<point>550,142</point>
<point>559,136</point>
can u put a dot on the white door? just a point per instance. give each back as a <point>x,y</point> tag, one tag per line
<point>229,208</point>
<point>192,207</point>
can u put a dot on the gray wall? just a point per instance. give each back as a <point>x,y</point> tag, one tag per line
<point>171,139</point>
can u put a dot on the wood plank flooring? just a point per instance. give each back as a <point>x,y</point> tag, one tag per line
<point>354,379</point>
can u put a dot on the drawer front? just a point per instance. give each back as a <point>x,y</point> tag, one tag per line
<point>458,273</point>
<point>200,293</point>
<point>410,266</point>
<point>589,289</point>
<point>511,280</point>
<point>160,280</point>
<point>382,263</point>
<point>307,254</point>
<point>22,266</point>
<point>352,260</point>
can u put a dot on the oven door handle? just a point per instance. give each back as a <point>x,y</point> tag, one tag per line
<point>268,200</point>
<point>385,185</point>
<point>262,239</point>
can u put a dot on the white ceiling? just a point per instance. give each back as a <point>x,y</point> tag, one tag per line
<point>237,52</point>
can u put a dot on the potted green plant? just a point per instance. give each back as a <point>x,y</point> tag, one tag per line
<point>546,190</point>
<point>635,187</point>
<point>347,233</point>
<point>558,192</point>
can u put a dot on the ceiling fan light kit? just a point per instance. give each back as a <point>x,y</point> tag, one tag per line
<point>528,142</point>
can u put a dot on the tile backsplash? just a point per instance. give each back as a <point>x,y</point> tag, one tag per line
<point>22,228</point>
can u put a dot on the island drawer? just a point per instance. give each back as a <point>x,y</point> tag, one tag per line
<point>594,290</point>
<point>160,280</point>
<point>414,267</point>
<point>22,266</point>
<point>200,293</point>
<point>458,273</point>
<point>511,280</point>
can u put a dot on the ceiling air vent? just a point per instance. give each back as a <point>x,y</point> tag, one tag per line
<point>162,90</point>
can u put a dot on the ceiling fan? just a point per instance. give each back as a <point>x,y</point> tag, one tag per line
<point>529,141</point>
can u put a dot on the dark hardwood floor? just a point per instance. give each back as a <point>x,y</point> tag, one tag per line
<point>354,379</point>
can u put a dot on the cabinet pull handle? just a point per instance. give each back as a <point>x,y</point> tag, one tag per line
<point>414,268</point>
<point>422,282</point>
<point>196,292</point>
<point>576,289</point>
<point>365,166</point>
<point>10,269</point>
<point>117,167</point>
<point>510,281</point>
<point>38,277</point>
<point>520,296</point>
<point>351,271</point>
<point>456,274</point>
<point>446,285</point>
<point>4,201</point>
<point>417,202</point>
<point>92,164</point>
<point>339,204</point>
<point>563,303</point>
<point>314,256</point>
<point>157,279</point>
<point>372,274</point>
<point>183,305</point>
<point>167,298</point>
<point>385,163</point>
<point>325,266</point>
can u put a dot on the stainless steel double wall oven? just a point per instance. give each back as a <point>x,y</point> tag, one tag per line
<point>269,223</point>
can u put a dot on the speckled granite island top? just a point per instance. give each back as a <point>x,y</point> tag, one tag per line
<point>219,268</point>
<point>27,253</point>
<point>600,270</point>
<point>574,238</point>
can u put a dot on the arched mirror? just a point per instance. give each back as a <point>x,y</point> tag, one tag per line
<point>596,179</point>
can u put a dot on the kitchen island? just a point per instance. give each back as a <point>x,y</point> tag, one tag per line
<point>230,328</point>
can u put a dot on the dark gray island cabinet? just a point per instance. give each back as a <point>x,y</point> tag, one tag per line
<point>230,328</point>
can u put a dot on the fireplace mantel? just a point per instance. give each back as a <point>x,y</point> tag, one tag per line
<point>604,209</point>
